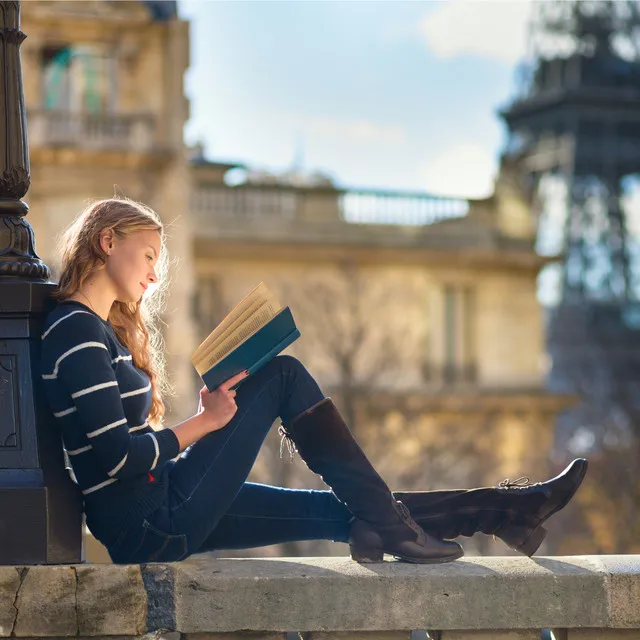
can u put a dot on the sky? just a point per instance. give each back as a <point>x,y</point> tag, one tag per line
<point>379,94</point>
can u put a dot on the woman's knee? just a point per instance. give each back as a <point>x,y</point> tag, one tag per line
<point>288,363</point>
<point>280,372</point>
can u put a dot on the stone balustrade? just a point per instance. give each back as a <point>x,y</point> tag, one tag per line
<point>371,206</point>
<point>366,206</point>
<point>208,598</point>
<point>99,131</point>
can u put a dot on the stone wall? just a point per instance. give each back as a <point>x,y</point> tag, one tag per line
<point>205,598</point>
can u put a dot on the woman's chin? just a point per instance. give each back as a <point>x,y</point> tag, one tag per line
<point>129,298</point>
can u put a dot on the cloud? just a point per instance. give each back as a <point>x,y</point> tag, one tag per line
<point>487,28</point>
<point>352,130</point>
<point>465,170</point>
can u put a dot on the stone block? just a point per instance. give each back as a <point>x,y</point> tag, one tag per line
<point>532,634</point>
<point>9,585</point>
<point>208,598</point>
<point>356,635</point>
<point>164,635</point>
<point>320,594</point>
<point>46,602</point>
<point>624,589</point>
<point>603,634</point>
<point>237,635</point>
<point>111,600</point>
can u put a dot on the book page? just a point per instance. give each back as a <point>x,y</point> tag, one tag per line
<point>256,295</point>
<point>253,324</point>
<point>258,306</point>
<point>242,327</point>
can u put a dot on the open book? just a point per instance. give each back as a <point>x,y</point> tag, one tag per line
<point>255,330</point>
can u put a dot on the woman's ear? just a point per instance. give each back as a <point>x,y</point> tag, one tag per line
<point>106,240</point>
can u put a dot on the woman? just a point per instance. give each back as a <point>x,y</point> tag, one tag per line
<point>145,502</point>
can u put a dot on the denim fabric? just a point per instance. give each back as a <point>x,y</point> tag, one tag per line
<point>211,506</point>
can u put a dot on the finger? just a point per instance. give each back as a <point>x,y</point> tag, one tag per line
<point>232,393</point>
<point>227,384</point>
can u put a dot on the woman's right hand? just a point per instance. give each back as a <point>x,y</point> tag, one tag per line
<point>219,406</point>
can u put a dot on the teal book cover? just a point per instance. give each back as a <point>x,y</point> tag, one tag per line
<point>255,351</point>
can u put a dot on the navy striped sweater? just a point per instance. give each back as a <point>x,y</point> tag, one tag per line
<point>101,402</point>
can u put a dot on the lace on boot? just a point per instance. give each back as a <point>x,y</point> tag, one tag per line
<point>519,483</point>
<point>286,440</point>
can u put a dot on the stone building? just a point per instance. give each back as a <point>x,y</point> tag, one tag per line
<point>416,311</point>
<point>103,85</point>
<point>436,324</point>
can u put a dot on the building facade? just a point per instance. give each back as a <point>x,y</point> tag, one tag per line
<point>103,85</point>
<point>418,313</point>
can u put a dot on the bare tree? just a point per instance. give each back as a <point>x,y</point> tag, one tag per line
<point>357,324</point>
<point>363,335</point>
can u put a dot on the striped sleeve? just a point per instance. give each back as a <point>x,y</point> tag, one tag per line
<point>77,359</point>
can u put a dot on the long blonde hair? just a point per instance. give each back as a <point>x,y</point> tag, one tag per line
<point>135,323</point>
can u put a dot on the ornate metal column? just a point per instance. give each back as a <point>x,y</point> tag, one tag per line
<point>41,520</point>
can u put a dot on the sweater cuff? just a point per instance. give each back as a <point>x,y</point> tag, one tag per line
<point>168,444</point>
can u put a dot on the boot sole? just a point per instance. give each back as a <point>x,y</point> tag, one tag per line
<point>372,556</point>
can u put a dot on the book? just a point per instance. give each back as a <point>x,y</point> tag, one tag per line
<point>257,329</point>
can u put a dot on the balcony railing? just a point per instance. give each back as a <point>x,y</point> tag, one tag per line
<point>396,207</point>
<point>351,206</point>
<point>245,203</point>
<point>49,128</point>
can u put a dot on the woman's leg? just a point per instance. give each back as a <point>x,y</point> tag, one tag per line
<point>206,479</point>
<point>381,524</point>
<point>262,515</point>
<point>512,511</point>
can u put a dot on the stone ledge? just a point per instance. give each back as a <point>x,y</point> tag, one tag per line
<point>206,595</point>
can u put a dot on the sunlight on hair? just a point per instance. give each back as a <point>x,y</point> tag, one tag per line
<point>136,324</point>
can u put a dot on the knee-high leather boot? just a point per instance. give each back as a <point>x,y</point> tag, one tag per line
<point>513,511</point>
<point>381,524</point>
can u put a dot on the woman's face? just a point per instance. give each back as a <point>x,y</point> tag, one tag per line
<point>131,263</point>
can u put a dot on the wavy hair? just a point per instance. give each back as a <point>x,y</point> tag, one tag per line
<point>135,323</point>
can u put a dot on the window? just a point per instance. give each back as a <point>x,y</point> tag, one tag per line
<point>78,78</point>
<point>450,334</point>
<point>459,334</point>
<point>469,367</point>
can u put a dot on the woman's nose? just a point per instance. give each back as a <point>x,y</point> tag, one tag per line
<point>152,276</point>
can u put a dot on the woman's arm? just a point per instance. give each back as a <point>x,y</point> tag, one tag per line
<point>82,388</point>
<point>191,430</point>
<point>215,410</point>
<point>85,396</point>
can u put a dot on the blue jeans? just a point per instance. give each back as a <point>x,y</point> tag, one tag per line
<point>210,504</point>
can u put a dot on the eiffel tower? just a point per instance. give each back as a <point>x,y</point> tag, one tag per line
<point>574,140</point>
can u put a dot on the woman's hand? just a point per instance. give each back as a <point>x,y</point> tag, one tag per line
<point>219,406</point>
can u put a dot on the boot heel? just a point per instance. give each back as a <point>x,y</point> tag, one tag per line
<point>526,540</point>
<point>364,555</point>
